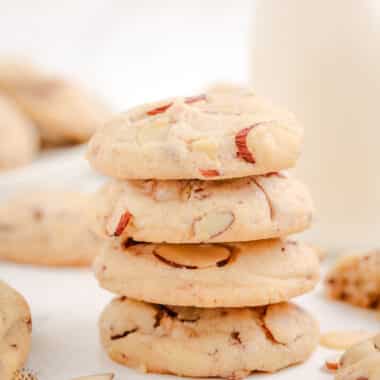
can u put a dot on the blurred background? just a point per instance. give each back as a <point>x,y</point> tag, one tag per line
<point>320,59</point>
<point>133,50</point>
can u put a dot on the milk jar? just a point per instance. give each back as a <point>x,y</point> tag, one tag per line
<point>321,59</point>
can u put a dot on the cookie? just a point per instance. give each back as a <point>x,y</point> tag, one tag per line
<point>47,228</point>
<point>342,340</point>
<point>227,343</point>
<point>209,275</point>
<point>216,135</point>
<point>361,362</point>
<point>19,140</point>
<point>63,111</point>
<point>15,331</point>
<point>356,279</point>
<point>193,211</point>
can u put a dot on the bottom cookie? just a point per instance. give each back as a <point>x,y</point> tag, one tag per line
<point>221,342</point>
<point>361,361</point>
<point>15,331</point>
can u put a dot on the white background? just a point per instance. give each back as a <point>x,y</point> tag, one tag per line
<point>133,50</point>
<point>130,52</point>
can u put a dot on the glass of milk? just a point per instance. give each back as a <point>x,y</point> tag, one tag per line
<point>321,59</point>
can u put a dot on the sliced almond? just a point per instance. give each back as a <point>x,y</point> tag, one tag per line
<point>163,108</point>
<point>274,174</point>
<point>342,340</point>
<point>206,146</point>
<point>193,256</point>
<point>242,142</point>
<point>159,110</point>
<point>106,376</point>
<point>153,130</point>
<point>212,224</point>
<point>332,366</point>
<point>123,223</point>
<point>197,98</point>
<point>209,172</point>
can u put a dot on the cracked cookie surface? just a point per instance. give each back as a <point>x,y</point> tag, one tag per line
<point>361,361</point>
<point>19,140</point>
<point>220,134</point>
<point>356,279</point>
<point>227,343</point>
<point>47,228</point>
<point>194,211</point>
<point>63,111</point>
<point>15,331</point>
<point>234,275</point>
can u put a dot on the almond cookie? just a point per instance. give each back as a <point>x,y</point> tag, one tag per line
<point>194,211</point>
<point>216,135</point>
<point>210,275</point>
<point>356,279</point>
<point>62,110</point>
<point>361,362</point>
<point>47,228</point>
<point>227,343</point>
<point>19,141</point>
<point>15,331</point>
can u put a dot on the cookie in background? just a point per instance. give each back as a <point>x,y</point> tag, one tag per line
<point>47,228</point>
<point>356,279</point>
<point>19,138</point>
<point>63,110</point>
<point>361,361</point>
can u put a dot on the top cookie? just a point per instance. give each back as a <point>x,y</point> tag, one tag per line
<point>63,111</point>
<point>224,133</point>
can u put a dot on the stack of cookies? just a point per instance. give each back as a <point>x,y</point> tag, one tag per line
<point>197,218</point>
